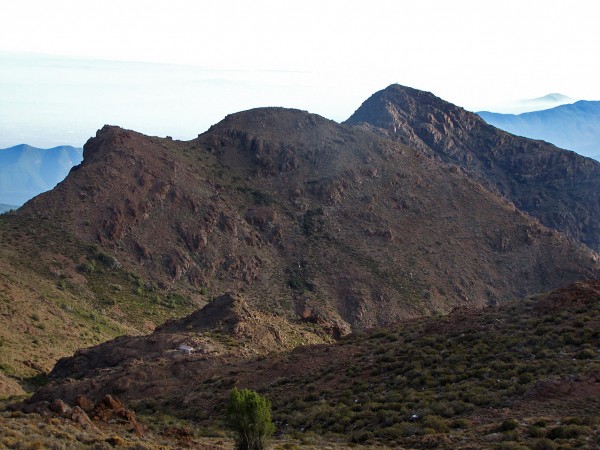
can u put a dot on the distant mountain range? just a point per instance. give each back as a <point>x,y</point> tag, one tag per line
<point>531,104</point>
<point>27,171</point>
<point>574,127</point>
<point>5,208</point>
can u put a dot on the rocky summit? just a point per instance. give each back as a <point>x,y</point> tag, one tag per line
<point>559,187</point>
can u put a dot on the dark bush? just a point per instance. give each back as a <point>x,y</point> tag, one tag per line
<point>509,425</point>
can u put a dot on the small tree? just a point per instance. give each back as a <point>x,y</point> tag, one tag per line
<point>249,417</point>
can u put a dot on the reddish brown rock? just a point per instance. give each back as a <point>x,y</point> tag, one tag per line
<point>79,416</point>
<point>84,403</point>
<point>559,187</point>
<point>110,408</point>
<point>59,407</point>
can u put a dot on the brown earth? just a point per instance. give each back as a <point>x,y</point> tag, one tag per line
<point>9,387</point>
<point>225,327</point>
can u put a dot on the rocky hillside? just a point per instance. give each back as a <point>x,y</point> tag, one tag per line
<point>560,188</point>
<point>314,229</point>
<point>307,218</point>
<point>227,326</point>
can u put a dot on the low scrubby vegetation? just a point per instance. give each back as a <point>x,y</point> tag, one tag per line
<point>436,377</point>
<point>520,375</point>
<point>494,378</point>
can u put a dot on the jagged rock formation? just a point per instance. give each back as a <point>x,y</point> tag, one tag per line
<point>559,187</point>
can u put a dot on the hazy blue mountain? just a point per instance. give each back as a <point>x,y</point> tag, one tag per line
<point>27,171</point>
<point>574,127</point>
<point>541,103</point>
<point>530,104</point>
<point>4,208</point>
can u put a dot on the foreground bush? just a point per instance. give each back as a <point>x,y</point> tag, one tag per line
<point>249,417</point>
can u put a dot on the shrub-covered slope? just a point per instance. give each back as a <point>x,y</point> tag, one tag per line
<point>527,372</point>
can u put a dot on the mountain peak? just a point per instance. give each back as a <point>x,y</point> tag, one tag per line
<point>398,95</point>
<point>513,166</point>
<point>285,120</point>
<point>415,118</point>
<point>225,311</point>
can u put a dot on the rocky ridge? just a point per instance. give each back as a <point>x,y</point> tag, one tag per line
<point>559,187</point>
<point>307,218</point>
<point>315,229</point>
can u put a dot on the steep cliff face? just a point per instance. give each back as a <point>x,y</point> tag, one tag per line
<point>559,187</point>
<point>310,219</point>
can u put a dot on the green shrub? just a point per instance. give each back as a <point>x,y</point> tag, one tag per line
<point>568,431</point>
<point>511,446</point>
<point>108,260</point>
<point>509,425</point>
<point>87,267</point>
<point>526,378</point>
<point>537,432</point>
<point>543,444</point>
<point>248,415</point>
<point>461,423</point>
<point>586,353</point>
<point>435,423</point>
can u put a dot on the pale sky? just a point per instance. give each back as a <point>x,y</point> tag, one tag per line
<point>324,56</point>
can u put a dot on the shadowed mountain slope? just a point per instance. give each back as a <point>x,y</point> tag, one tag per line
<point>560,188</point>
